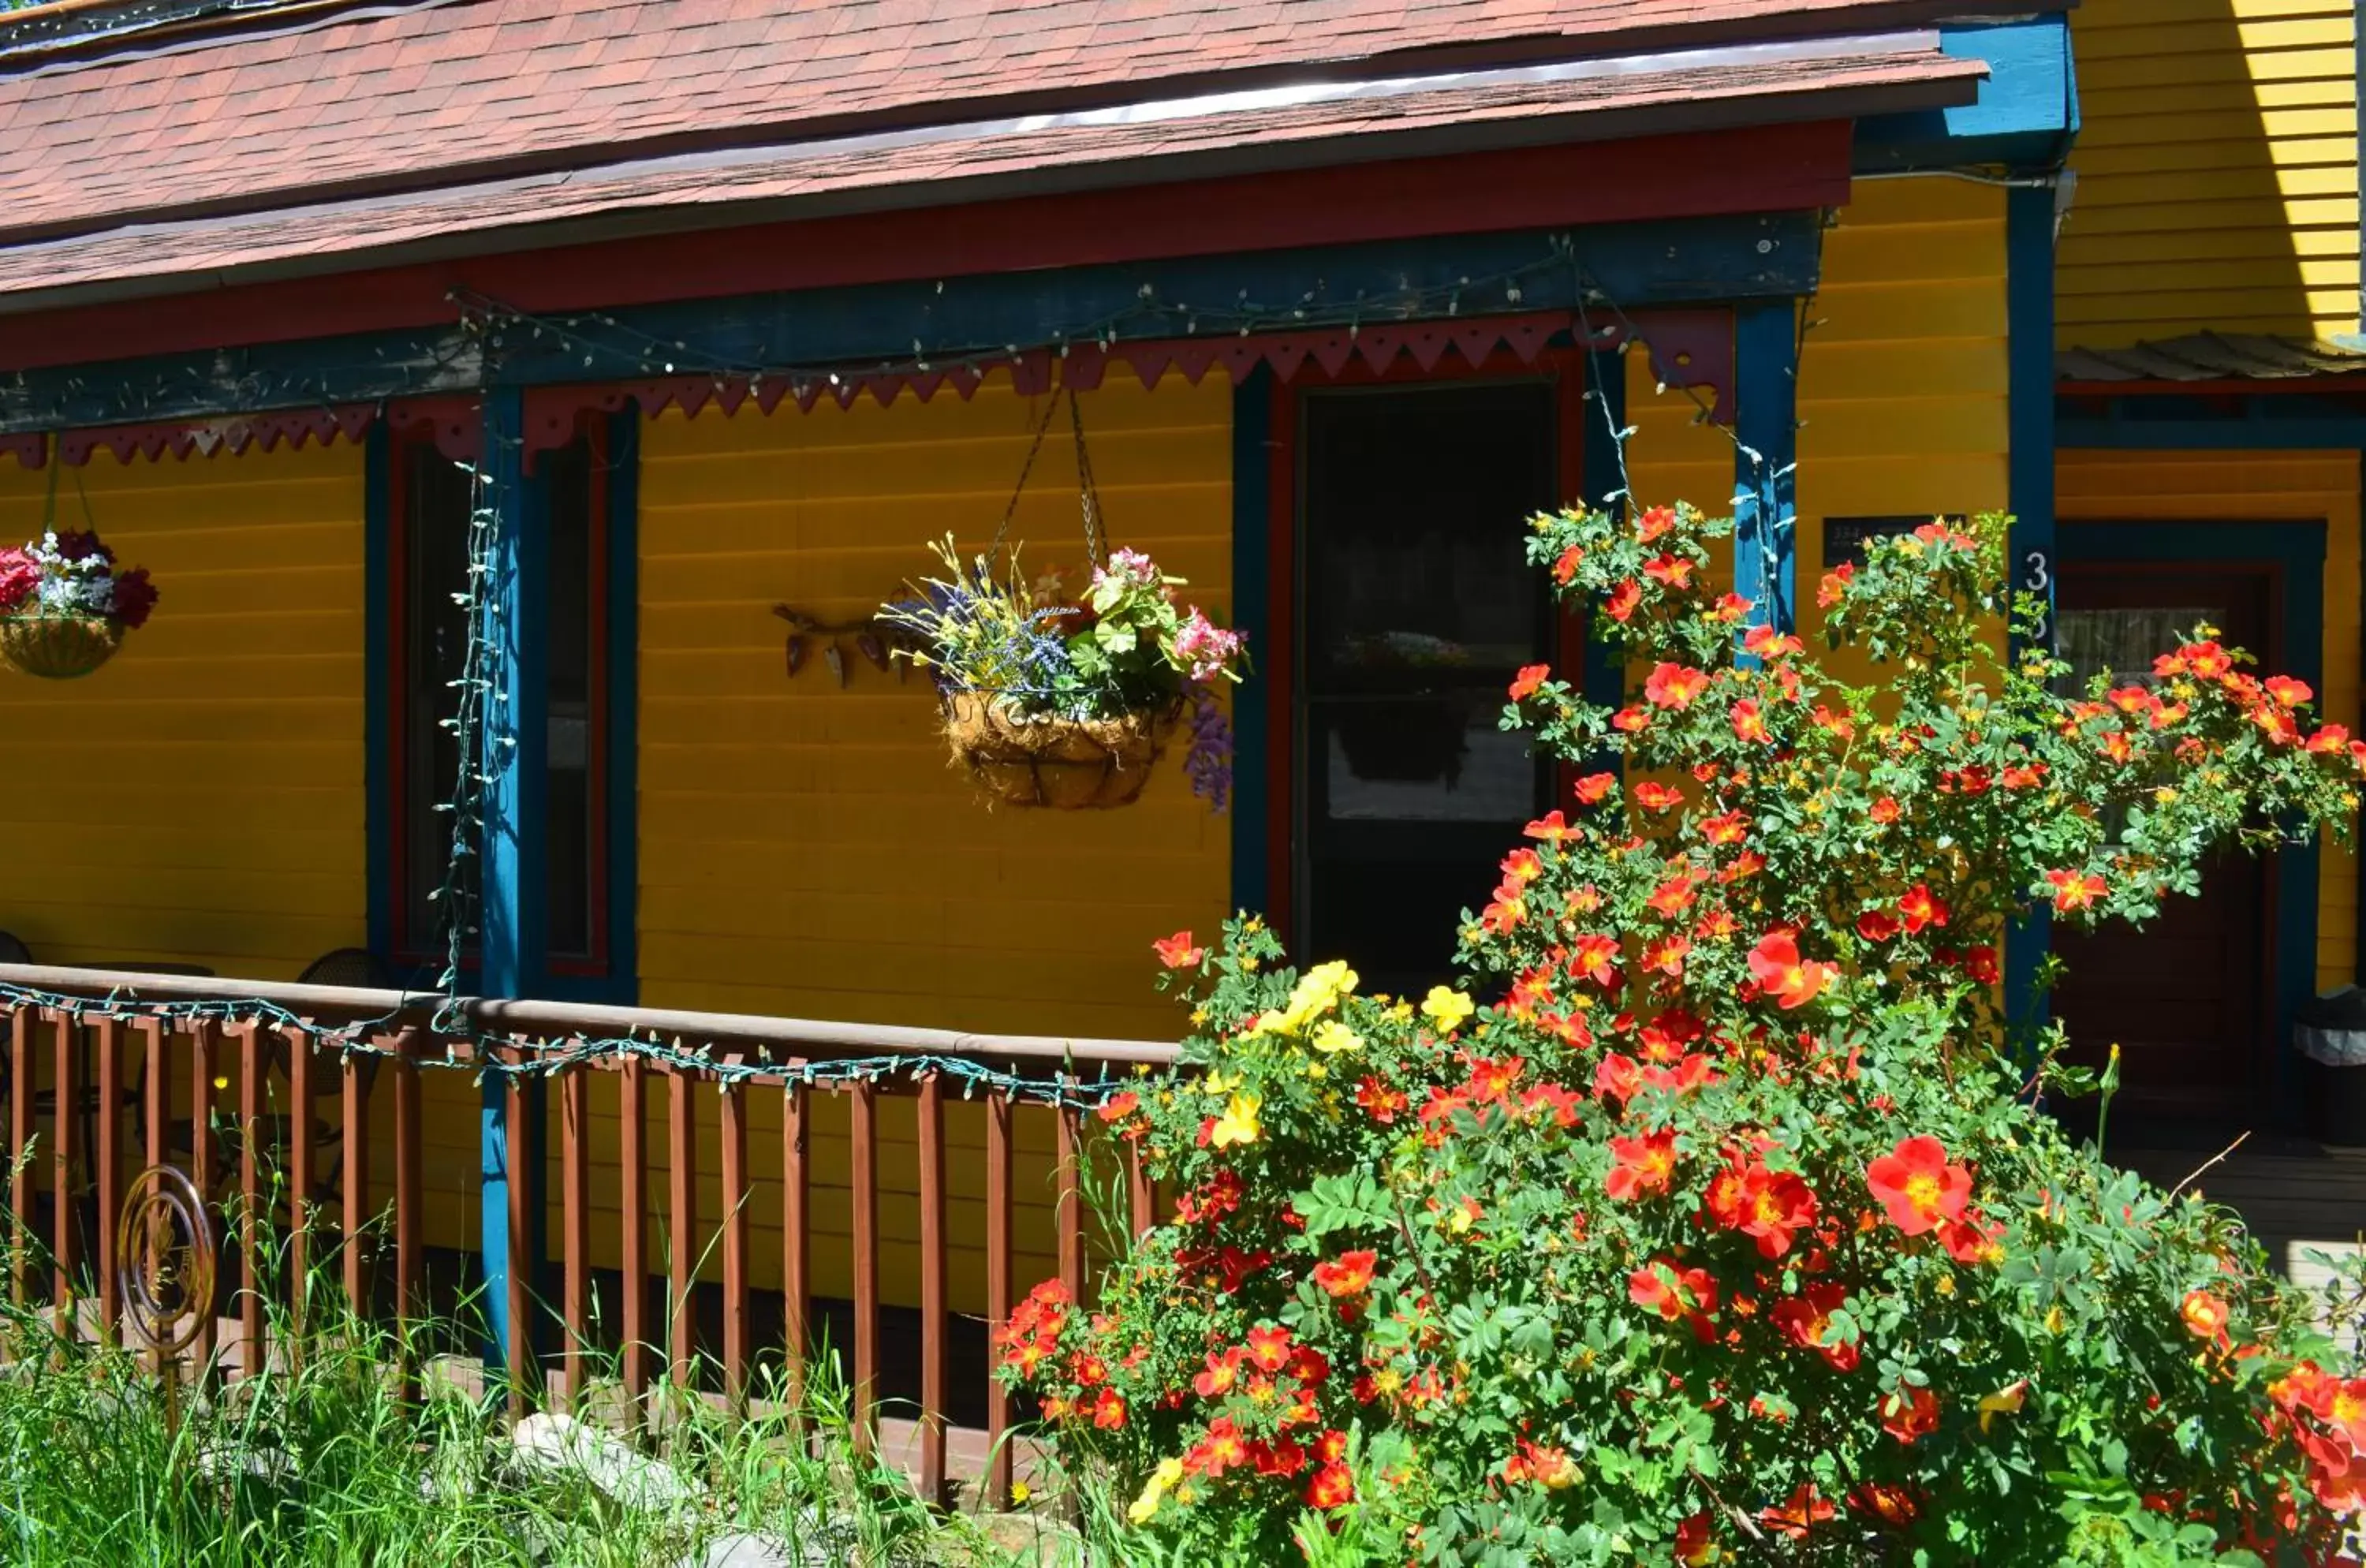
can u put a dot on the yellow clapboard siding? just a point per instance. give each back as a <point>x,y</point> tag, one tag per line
<point>805,848</point>
<point>205,789</point>
<point>1901,383</point>
<point>2135,131</point>
<point>2225,136</point>
<point>2137,487</point>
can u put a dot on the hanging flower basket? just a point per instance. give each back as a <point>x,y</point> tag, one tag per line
<point>1089,765</point>
<point>1067,701</point>
<point>64,608</point>
<point>58,648</point>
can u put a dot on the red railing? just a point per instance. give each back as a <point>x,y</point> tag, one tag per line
<point>66,1039</point>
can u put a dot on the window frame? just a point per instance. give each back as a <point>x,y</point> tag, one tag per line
<point>607,971</point>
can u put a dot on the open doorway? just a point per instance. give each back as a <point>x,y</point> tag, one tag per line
<point>2191,997</point>
<point>1416,607</point>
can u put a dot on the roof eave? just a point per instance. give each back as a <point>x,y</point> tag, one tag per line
<point>1361,147</point>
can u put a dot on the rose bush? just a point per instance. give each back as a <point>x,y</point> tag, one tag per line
<point>1726,1227</point>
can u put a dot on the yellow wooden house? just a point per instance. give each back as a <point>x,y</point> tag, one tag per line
<point>713,316</point>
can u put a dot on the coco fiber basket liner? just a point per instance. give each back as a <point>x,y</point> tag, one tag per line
<point>58,648</point>
<point>1066,764</point>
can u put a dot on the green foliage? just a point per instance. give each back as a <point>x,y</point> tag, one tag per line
<point>1725,1230</point>
<point>321,1462</point>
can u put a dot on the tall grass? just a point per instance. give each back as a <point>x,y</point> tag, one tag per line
<point>317,1458</point>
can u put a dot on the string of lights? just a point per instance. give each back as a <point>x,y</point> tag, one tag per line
<point>508,1057</point>
<point>601,339</point>
<point>605,342</point>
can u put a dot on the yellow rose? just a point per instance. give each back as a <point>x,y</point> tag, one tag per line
<point>1238,1124</point>
<point>1446,1008</point>
<point>1333,1036</point>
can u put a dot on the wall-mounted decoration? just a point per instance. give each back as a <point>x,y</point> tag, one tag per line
<point>1845,538</point>
<point>872,637</point>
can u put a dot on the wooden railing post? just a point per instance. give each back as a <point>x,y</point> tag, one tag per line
<point>21,1175</point>
<point>251,1350</point>
<point>863,1146</point>
<point>205,1037</point>
<point>634,1157</point>
<point>522,1366</point>
<point>354,1168</point>
<point>735,1219</point>
<point>409,1194</point>
<point>681,1230</point>
<point>1068,1180</point>
<point>796,1221</point>
<point>997,1293</point>
<point>107,1166</point>
<point>66,1098</point>
<point>298,1176</point>
<point>575,1227</point>
<point>930,1114</point>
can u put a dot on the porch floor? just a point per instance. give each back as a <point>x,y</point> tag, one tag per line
<point>2296,1195</point>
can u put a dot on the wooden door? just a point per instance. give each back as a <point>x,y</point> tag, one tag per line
<point>2187,998</point>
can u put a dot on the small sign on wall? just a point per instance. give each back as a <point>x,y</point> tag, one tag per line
<point>1845,538</point>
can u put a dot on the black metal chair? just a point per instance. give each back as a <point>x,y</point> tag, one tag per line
<point>355,968</point>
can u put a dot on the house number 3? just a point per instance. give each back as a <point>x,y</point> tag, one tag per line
<point>2040,582</point>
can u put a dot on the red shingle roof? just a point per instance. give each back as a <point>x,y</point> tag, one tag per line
<point>978,160</point>
<point>444,93</point>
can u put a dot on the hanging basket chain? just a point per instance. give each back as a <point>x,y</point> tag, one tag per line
<point>1089,498</point>
<point>1017,493</point>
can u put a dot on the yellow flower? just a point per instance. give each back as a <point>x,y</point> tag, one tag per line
<point>1021,1492</point>
<point>1161,1480</point>
<point>1238,1124</point>
<point>2005,1400</point>
<point>2165,796</point>
<point>1446,1008</point>
<point>1317,992</point>
<point>1333,1037</point>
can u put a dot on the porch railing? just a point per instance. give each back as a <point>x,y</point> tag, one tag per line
<point>205,1032</point>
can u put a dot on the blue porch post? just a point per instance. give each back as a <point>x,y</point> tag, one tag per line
<point>514,861</point>
<point>2029,313</point>
<point>1766,421</point>
<point>1605,417</point>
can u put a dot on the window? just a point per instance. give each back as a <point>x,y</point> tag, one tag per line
<point>430,502</point>
<point>1419,607</point>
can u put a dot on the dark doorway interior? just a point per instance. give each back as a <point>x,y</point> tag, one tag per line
<point>1418,608</point>
<point>2188,998</point>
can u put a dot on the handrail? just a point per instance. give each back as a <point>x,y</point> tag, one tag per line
<point>506,1017</point>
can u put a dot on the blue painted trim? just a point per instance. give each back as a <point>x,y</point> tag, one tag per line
<point>1252,612</point>
<point>377,720</point>
<point>2299,549</point>
<point>2235,432</point>
<point>1605,415</point>
<point>514,864</point>
<point>1664,261</point>
<point>2035,552</point>
<point>2025,115</point>
<point>622,986</point>
<point>1765,375</point>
